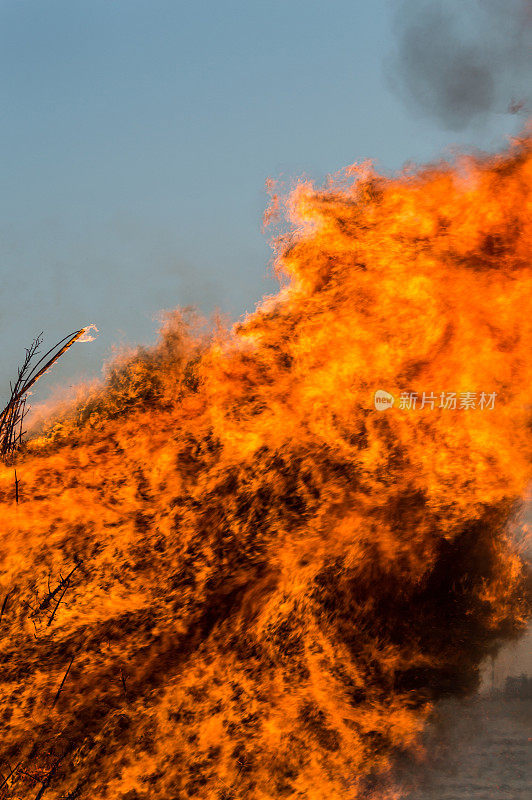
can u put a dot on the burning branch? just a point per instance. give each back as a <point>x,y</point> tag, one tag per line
<point>12,417</point>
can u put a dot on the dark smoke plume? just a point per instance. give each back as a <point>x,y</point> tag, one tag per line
<point>459,62</point>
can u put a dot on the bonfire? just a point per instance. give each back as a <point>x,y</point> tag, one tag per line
<point>235,570</point>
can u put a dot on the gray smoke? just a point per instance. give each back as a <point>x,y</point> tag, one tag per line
<point>460,61</point>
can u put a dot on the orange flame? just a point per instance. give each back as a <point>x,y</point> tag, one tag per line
<point>259,582</point>
<point>89,333</point>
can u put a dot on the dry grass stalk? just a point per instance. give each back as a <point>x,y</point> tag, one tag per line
<point>12,417</point>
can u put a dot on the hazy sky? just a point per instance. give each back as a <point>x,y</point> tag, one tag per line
<point>136,137</point>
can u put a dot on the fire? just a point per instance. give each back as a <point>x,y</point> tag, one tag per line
<point>89,333</point>
<point>229,575</point>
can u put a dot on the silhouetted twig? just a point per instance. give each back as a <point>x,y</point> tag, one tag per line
<point>12,417</point>
<point>64,584</point>
<point>124,685</point>
<point>4,604</point>
<point>56,698</point>
<point>57,606</point>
